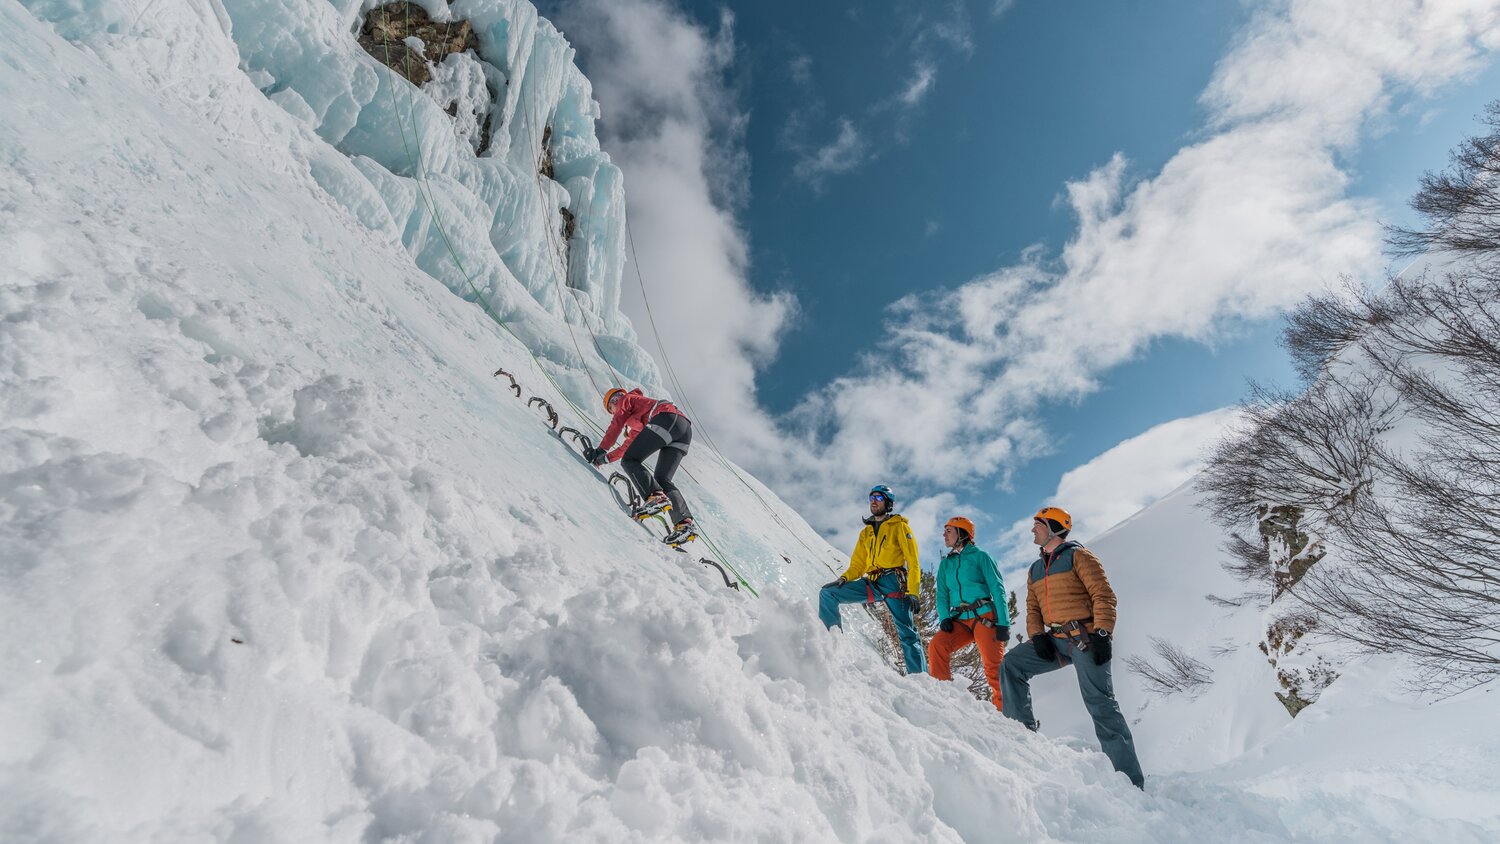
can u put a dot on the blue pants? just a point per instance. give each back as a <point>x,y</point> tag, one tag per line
<point>858,592</point>
<point>1098,687</point>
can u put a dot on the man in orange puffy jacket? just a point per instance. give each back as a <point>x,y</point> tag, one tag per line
<point>1070,618</point>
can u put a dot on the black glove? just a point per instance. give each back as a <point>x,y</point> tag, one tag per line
<point>1045,647</point>
<point>595,456</point>
<point>835,583</point>
<point>946,625</point>
<point>1002,633</point>
<point>912,604</point>
<point>1099,643</point>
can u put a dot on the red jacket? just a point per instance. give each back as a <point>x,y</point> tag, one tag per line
<point>632,413</point>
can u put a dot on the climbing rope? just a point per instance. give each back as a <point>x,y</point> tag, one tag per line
<point>424,191</point>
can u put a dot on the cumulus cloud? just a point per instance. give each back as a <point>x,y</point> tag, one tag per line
<point>1243,222</point>
<point>675,128</point>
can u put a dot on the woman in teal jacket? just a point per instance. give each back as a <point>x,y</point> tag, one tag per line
<point>971,607</point>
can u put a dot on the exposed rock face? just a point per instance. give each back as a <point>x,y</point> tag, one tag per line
<point>1292,551</point>
<point>388,27</point>
<point>440,57</point>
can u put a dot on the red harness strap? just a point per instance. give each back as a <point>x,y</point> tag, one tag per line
<point>871,596</point>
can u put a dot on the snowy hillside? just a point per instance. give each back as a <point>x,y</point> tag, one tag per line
<point>281,561</point>
<point>1372,760</point>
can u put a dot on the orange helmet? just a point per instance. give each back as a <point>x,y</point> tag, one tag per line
<point>609,394</point>
<point>1058,515</point>
<point>962,524</point>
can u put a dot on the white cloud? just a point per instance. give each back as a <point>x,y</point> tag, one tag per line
<point>1000,7</point>
<point>800,69</point>
<point>676,130</point>
<point>944,29</point>
<point>923,76</point>
<point>1237,225</point>
<point>840,155</point>
<point>928,33</point>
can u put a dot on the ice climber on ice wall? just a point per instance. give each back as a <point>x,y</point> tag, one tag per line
<point>883,567</point>
<point>654,426</point>
<point>1070,617</point>
<point>971,606</point>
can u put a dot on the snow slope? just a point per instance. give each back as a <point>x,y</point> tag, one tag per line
<point>1161,562</point>
<point>1370,761</point>
<point>281,561</point>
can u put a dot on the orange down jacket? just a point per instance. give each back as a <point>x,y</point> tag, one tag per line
<point>1069,585</point>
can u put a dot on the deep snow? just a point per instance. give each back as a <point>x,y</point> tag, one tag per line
<point>280,561</point>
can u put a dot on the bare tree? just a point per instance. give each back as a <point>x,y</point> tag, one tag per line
<point>1320,328</point>
<point>1311,451</point>
<point>1177,672</point>
<point>1394,448</point>
<point>1460,204</point>
<point>1423,560</point>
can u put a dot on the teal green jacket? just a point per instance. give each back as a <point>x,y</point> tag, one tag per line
<point>967,576</point>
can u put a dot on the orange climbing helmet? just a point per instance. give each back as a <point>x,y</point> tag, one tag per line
<point>1056,519</point>
<point>962,524</point>
<point>609,394</point>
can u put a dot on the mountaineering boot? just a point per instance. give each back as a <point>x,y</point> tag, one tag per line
<point>682,532</point>
<point>656,503</point>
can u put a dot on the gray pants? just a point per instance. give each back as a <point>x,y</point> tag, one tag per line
<point>1097,685</point>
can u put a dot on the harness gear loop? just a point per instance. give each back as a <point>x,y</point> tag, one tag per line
<point>873,577</point>
<point>1072,630</point>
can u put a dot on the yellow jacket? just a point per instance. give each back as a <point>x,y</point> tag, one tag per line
<point>886,545</point>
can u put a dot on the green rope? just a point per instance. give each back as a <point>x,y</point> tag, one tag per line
<point>671,372</point>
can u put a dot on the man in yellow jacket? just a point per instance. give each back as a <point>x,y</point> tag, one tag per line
<point>1070,620</point>
<point>884,568</point>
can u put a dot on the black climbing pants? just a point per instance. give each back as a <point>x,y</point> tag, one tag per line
<point>667,435</point>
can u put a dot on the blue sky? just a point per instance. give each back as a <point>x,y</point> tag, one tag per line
<point>862,153</point>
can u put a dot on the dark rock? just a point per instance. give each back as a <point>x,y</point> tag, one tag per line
<point>387,28</point>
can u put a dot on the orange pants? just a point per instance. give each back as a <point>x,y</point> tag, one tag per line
<point>991,651</point>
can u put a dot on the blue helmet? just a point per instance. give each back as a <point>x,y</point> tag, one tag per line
<point>885,491</point>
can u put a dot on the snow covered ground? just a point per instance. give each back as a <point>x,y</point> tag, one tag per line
<point>1371,761</point>
<point>281,561</point>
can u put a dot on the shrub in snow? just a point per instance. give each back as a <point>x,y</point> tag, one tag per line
<point>1177,672</point>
